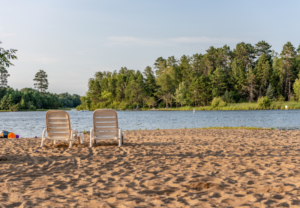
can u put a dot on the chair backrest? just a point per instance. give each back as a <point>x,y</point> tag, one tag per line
<point>58,124</point>
<point>105,123</point>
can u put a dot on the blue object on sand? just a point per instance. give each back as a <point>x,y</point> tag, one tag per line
<point>17,136</point>
<point>5,134</point>
<point>36,151</point>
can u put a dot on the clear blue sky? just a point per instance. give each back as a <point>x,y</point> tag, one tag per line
<point>72,39</point>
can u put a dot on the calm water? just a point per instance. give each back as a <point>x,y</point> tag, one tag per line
<point>30,124</point>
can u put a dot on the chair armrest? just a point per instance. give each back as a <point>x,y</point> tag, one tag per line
<point>44,133</point>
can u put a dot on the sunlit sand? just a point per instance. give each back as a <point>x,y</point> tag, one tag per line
<point>172,168</point>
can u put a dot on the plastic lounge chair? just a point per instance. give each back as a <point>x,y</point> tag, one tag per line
<point>58,127</point>
<point>105,126</point>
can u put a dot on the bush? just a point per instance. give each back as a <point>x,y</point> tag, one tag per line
<point>228,97</point>
<point>281,98</point>
<point>32,108</point>
<point>124,105</point>
<point>162,105</point>
<point>263,103</point>
<point>292,98</point>
<point>218,102</point>
<point>222,104</point>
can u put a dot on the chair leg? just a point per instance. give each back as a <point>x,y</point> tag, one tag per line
<point>123,136</point>
<point>71,143</point>
<point>81,138</point>
<point>43,138</point>
<point>42,142</point>
<point>91,142</point>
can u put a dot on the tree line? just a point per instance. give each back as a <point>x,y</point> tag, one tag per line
<point>243,74</point>
<point>31,99</point>
<point>28,98</point>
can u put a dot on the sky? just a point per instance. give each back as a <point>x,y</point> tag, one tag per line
<point>73,39</point>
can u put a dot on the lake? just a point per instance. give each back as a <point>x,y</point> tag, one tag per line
<point>31,124</point>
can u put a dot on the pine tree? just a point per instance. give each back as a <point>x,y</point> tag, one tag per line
<point>150,83</point>
<point>41,81</point>
<point>263,73</point>
<point>288,55</point>
<point>251,85</point>
<point>270,92</point>
<point>218,82</point>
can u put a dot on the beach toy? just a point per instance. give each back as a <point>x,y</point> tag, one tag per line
<point>17,136</point>
<point>11,135</point>
<point>35,137</point>
<point>36,151</point>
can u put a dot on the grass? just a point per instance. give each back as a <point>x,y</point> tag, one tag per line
<point>241,127</point>
<point>275,105</point>
<point>226,127</point>
<point>37,109</point>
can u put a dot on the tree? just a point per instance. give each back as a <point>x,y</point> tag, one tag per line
<point>41,81</point>
<point>150,82</point>
<point>218,82</point>
<point>296,87</point>
<point>134,93</point>
<point>262,47</point>
<point>270,92</point>
<point>200,89</point>
<point>6,55</point>
<point>250,85</point>
<point>263,73</point>
<point>288,55</point>
<point>151,102</point>
<point>180,94</point>
<point>3,77</point>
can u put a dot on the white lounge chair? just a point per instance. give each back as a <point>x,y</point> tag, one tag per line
<point>105,126</point>
<point>59,127</point>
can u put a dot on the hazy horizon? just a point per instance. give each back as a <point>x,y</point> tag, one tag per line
<point>71,40</point>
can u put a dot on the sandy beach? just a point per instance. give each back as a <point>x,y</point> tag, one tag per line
<point>155,168</point>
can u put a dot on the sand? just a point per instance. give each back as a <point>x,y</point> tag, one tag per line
<point>159,168</point>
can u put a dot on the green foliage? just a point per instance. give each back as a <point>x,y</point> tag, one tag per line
<point>263,103</point>
<point>281,98</point>
<point>180,94</point>
<point>27,98</point>
<point>6,55</point>
<point>3,77</point>
<point>296,87</point>
<point>41,81</point>
<point>32,108</point>
<point>228,97</point>
<point>270,92</point>
<point>218,102</point>
<point>242,74</point>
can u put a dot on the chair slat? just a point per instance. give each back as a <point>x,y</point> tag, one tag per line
<point>57,115</point>
<point>58,125</point>
<point>104,119</point>
<point>106,133</point>
<point>54,134</point>
<point>101,128</point>
<point>58,121</point>
<point>58,130</point>
<point>104,114</point>
<point>106,124</point>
